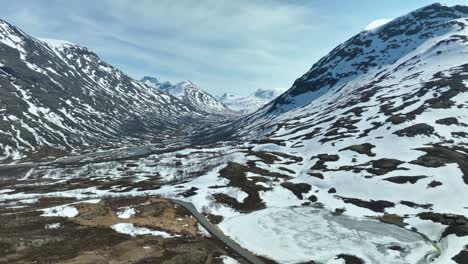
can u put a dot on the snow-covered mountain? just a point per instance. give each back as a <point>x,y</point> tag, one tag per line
<point>191,95</point>
<point>56,95</point>
<point>250,103</point>
<point>381,123</point>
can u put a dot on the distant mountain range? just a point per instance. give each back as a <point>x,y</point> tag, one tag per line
<point>251,103</point>
<point>190,94</point>
<point>203,101</point>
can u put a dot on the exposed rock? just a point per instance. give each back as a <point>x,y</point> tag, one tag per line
<point>404,179</point>
<point>323,158</point>
<point>365,148</point>
<point>392,219</point>
<point>189,192</point>
<point>316,174</point>
<point>433,184</point>
<point>327,157</point>
<point>460,134</point>
<point>383,166</point>
<point>447,121</point>
<point>312,198</point>
<point>396,247</point>
<point>415,205</point>
<point>350,259</point>
<point>297,188</point>
<point>415,130</point>
<point>462,257</point>
<point>457,224</point>
<point>376,206</point>
<point>437,156</point>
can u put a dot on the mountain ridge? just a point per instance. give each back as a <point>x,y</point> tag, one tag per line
<point>319,78</point>
<point>192,95</point>
<point>58,96</point>
<point>250,103</point>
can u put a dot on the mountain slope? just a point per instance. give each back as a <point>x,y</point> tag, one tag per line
<point>59,95</point>
<point>251,103</point>
<point>191,95</point>
<point>370,54</point>
<point>382,126</point>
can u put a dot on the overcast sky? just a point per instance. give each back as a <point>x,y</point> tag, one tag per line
<point>234,46</point>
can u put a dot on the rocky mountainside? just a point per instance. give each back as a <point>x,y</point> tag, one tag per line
<point>381,123</point>
<point>371,54</point>
<point>56,95</point>
<point>251,103</point>
<point>191,95</point>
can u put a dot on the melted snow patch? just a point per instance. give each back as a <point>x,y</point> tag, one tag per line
<point>61,211</point>
<point>66,210</point>
<point>202,231</point>
<point>229,260</point>
<point>132,230</point>
<point>6,190</point>
<point>91,201</point>
<point>53,226</point>
<point>126,212</point>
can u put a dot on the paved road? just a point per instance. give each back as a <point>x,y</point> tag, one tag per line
<point>217,233</point>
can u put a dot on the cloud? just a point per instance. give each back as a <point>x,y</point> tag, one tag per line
<point>377,23</point>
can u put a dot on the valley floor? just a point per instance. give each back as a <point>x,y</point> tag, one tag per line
<point>81,208</point>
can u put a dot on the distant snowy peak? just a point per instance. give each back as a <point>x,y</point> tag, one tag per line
<point>200,99</point>
<point>250,103</point>
<point>182,89</point>
<point>56,43</point>
<point>190,94</point>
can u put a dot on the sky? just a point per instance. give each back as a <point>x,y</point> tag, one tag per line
<point>221,45</point>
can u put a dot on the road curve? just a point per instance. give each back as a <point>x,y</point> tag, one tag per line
<point>217,233</point>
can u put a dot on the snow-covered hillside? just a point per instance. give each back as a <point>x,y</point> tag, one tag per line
<point>382,126</point>
<point>251,103</point>
<point>192,95</point>
<point>58,96</point>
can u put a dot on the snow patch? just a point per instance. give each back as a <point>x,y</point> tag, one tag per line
<point>132,230</point>
<point>60,211</point>
<point>126,213</point>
